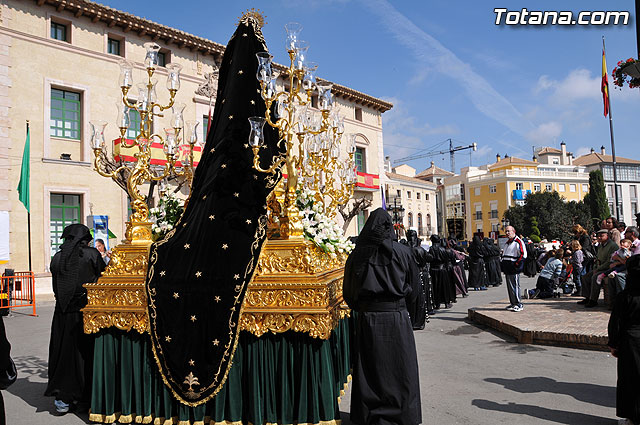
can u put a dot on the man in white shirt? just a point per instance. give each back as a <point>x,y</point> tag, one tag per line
<point>511,263</point>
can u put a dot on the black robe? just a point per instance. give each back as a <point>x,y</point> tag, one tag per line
<point>70,349</point>
<point>477,270</point>
<point>624,336</point>
<point>492,263</point>
<point>443,287</point>
<point>419,314</point>
<point>381,283</point>
<point>530,266</point>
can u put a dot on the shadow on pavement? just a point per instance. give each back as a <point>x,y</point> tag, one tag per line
<point>32,383</point>
<point>552,415</point>
<point>589,393</point>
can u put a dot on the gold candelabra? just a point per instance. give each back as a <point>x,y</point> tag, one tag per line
<point>141,171</point>
<point>316,165</point>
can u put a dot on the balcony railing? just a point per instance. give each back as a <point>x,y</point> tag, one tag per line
<point>493,214</point>
<point>478,215</point>
<point>573,175</point>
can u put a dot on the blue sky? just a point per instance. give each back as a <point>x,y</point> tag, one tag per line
<point>449,70</point>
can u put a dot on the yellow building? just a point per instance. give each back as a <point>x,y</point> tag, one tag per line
<point>59,71</point>
<point>491,189</point>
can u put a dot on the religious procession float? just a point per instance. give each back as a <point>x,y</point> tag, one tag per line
<point>236,314</point>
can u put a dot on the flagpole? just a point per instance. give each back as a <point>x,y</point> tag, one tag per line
<point>613,150</point>
<point>29,221</point>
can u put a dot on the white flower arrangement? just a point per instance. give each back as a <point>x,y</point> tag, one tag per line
<point>318,227</point>
<point>165,216</point>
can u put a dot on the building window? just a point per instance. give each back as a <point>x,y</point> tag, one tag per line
<point>59,31</point>
<point>555,161</point>
<point>426,196</point>
<point>477,191</point>
<point>429,221</point>
<point>358,114</point>
<point>399,193</point>
<point>420,224</point>
<point>359,159</point>
<point>410,219</point>
<point>572,188</point>
<point>519,186</point>
<point>361,220</point>
<point>163,58</point>
<point>561,187</point>
<point>585,187</point>
<point>113,46</point>
<point>634,208</point>
<point>548,187</point>
<point>610,192</point>
<point>536,187</point>
<point>492,188</point>
<point>64,210</point>
<point>418,196</point>
<point>408,194</point>
<point>65,114</point>
<point>314,101</point>
<point>633,191</point>
<point>134,124</point>
<point>205,124</point>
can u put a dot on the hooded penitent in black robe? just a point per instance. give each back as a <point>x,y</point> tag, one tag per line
<point>70,349</point>
<point>492,262</point>
<point>530,266</point>
<point>419,314</point>
<point>380,283</point>
<point>477,270</point>
<point>198,274</point>
<point>624,336</point>
<point>458,277</point>
<point>443,287</point>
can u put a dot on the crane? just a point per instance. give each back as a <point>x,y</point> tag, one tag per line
<point>451,151</point>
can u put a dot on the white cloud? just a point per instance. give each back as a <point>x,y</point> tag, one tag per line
<point>430,52</point>
<point>578,85</point>
<point>545,134</point>
<point>582,150</point>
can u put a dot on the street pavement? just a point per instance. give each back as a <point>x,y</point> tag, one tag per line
<point>468,374</point>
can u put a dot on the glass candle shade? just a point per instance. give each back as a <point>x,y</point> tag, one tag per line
<point>126,73</point>
<point>97,134</point>
<point>309,79</point>
<point>177,120</point>
<point>151,59</point>
<point>293,30</point>
<point>256,135</point>
<point>192,132</point>
<point>170,146</point>
<point>173,79</point>
<point>301,49</point>
<point>264,72</point>
<point>123,120</point>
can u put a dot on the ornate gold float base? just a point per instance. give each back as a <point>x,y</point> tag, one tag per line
<point>296,287</point>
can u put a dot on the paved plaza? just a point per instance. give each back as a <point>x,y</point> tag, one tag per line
<point>469,373</point>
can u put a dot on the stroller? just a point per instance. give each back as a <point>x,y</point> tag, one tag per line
<point>564,286</point>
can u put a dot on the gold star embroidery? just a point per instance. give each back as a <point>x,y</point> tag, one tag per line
<point>167,338</point>
<point>246,145</point>
<point>162,273</point>
<point>236,276</point>
<point>212,217</point>
<point>187,246</point>
<point>217,299</point>
<point>225,246</point>
<point>215,342</point>
<point>193,318</point>
<point>237,195</point>
<point>255,177</point>
<point>192,363</point>
<point>240,72</point>
<point>223,100</point>
<point>248,221</point>
<point>176,295</point>
<point>233,309</point>
<point>198,274</point>
<point>230,117</point>
<point>223,166</point>
<point>184,225</point>
<point>204,197</point>
<point>212,150</point>
<point>244,34</point>
<point>253,102</point>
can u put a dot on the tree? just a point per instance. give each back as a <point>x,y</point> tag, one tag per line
<point>598,204</point>
<point>517,217</point>
<point>359,204</point>
<point>535,232</point>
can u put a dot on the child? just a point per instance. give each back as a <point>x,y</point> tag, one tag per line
<point>577,259</point>
<point>617,260</point>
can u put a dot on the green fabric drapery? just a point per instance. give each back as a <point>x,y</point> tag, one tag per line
<point>287,378</point>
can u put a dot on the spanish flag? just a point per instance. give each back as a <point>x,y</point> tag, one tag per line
<point>604,85</point>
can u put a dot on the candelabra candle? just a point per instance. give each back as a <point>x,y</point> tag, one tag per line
<point>140,171</point>
<point>316,163</point>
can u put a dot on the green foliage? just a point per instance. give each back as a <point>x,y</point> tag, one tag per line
<point>547,214</point>
<point>535,232</point>
<point>165,216</point>
<point>598,205</point>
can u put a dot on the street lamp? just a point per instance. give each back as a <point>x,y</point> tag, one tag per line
<point>398,212</point>
<point>505,223</point>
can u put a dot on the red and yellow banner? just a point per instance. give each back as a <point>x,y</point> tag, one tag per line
<point>368,181</point>
<point>125,153</point>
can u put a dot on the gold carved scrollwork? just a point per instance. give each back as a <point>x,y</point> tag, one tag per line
<point>316,325</point>
<point>123,264</point>
<point>117,297</point>
<point>302,259</point>
<point>308,297</point>
<point>125,321</point>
